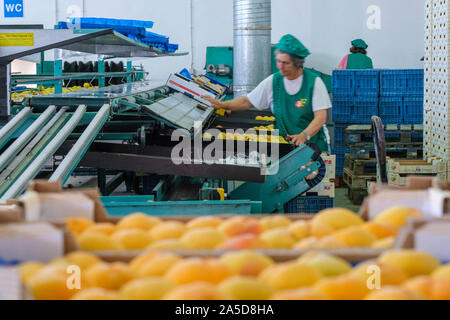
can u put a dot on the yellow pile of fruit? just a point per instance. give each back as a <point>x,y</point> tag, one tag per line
<point>50,90</point>
<point>270,127</point>
<point>241,275</point>
<point>330,228</point>
<point>247,137</point>
<point>265,118</point>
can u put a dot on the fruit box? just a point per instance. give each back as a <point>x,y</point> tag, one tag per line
<point>28,207</point>
<point>351,255</point>
<point>426,235</point>
<point>429,195</point>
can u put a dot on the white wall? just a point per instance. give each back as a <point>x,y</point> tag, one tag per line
<point>325,26</point>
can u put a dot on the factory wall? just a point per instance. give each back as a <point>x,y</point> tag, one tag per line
<point>393,29</point>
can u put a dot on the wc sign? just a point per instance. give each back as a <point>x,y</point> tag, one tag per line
<point>13,8</point>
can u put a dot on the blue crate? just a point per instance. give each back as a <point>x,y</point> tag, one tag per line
<point>342,108</point>
<point>9,263</point>
<point>413,109</point>
<point>391,109</point>
<point>340,150</point>
<point>367,83</point>
<point>339,133</point>
<point>414,82</point>
<point>309,205</point>
<point>401,82</point>
<point>364,108</point>
<point>392,82</point>
<point>343,82</point>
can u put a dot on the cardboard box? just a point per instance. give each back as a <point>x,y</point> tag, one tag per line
<point>433,166</point>
<point>429,195</point>
<point>426,235</point>
<point>10,213</point>
<point>189,87</point>
<point>325,188</point>
<point>43,187</point>
<point>400,180</point>
<point>10,284</point>
<point>30,241</point>
<point>330,163</point>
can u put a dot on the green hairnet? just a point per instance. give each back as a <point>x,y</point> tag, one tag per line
<point>359,43</point>
<point>292,45</point>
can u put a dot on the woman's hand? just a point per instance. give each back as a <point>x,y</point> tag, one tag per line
<point>297,139</point>
<point>214,103</point>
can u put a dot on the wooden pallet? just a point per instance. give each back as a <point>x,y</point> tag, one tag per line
<point>357,196</point>
<point>404,151</point>
<point>361,167</point>
<point>354,181</point>
<point>393,134</point>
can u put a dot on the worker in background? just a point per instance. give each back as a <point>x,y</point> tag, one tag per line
<point>298,98</point>
<point>358,58</point>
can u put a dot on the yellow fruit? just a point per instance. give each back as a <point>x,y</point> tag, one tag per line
<point>240,225</point>
<point>389,274</point>
<point>299,230</point>
<point>204,222</point>
<point>154,288</point>
<point>342,288</point>
<point>327,264</point>
<point>28,269</point>
<point>319,229</point>
<point>86,85</point>
<point>167,230</point>
<point>109,276</point>
<point>259,118</point>
<point>195,269</point>
<point>397,216</point>
<point>246,263</point>
<point>355,237</point>
<point>307,243</point>
<point>413,263</point>
<point>167,244</point>
<point>385,243</point>
<point>139,221</point>
<point>244,241</point>
<point>203,238</point>
<point>429,287</point>
<point>330,242</point>
<point>84,260</point>
<point>196,291</point>
<point>132,239</point>
<point>290,275</point>
<point>273,222</point>
<point>381,230</point>
<point>246,288</point>
<point>50,283</point>
<point>278,238</point>
<point>103,227</point>
<point>390,293</point>
<point>78,225</point>
<point>97,294</point>
<point>338,218</point>
<point>137,262</point>
<point>442,272</point>
<point>158,265</point>
<point>95,241</point>
<point>299,294</point>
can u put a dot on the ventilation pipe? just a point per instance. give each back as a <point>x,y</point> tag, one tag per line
<point>252,44</point>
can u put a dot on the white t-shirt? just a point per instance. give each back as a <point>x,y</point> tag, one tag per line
<point>262,96</point>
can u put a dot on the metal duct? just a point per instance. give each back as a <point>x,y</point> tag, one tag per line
<point>252,44</point>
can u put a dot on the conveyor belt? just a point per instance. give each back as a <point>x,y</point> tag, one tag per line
<point>27,155</point>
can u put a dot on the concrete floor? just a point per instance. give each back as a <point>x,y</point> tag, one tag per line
<point>341,200</point>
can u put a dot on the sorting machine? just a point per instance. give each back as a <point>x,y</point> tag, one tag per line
<point>129,128</point>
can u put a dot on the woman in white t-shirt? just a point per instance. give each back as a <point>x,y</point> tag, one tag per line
<point>298,98</point>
